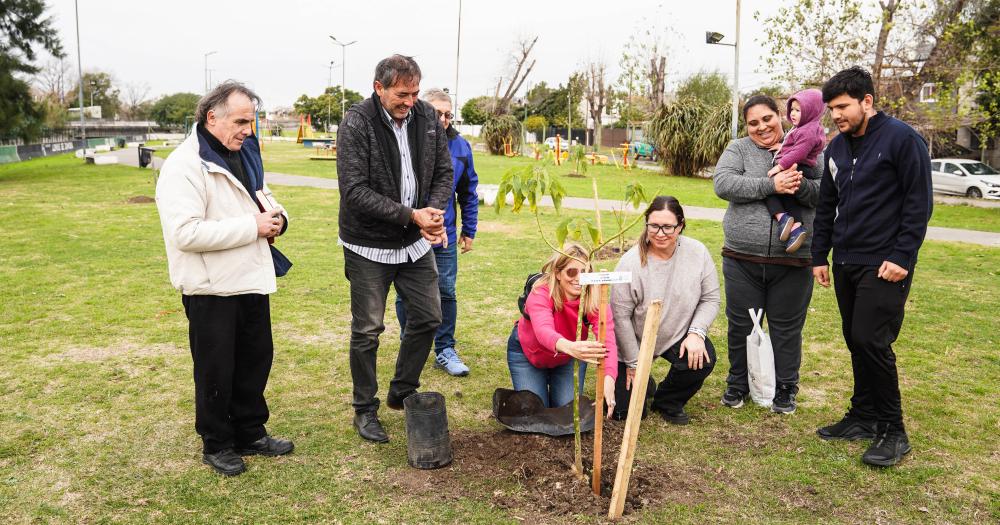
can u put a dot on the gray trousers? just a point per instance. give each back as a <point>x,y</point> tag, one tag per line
<point>417,283</point>
<point>784,293</point>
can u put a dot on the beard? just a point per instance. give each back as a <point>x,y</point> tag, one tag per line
<point>853,130</point>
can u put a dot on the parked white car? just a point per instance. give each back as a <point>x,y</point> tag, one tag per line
<point>563,143</point>
<point>970,178</point>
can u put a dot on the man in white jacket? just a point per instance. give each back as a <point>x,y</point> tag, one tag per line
<point>218,220</point>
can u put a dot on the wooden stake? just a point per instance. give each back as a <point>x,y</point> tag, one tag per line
<point>631,436</point>
<point>602,332</point>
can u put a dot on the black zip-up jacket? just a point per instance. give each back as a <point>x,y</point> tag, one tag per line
<point>369,173</point>
<point>874,203</point>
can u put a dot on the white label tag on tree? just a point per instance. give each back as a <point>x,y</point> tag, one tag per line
<point>605,278</point>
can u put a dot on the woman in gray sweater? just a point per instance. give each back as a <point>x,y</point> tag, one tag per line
<point>757,271</point>
<point>678,270</point>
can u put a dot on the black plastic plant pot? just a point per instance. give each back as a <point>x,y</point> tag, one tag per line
<point>428,445</point>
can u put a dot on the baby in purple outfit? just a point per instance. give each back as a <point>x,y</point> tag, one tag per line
<point>802,145</point>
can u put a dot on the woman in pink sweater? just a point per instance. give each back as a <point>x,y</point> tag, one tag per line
<point>543,345</point>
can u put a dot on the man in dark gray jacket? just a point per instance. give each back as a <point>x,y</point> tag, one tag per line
<point>395,175</point>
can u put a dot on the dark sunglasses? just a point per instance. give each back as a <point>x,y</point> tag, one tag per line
<point>572,272</point>
<point>447,114</point>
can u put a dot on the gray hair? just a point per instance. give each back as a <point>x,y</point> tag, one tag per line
<point>396,68</point>
<point>436,94</point>
<point>217,99</point>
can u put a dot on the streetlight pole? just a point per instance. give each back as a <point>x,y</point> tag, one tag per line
<point>329,84</point>
<point>93,86</point>
<point>458,49</point>
<point>210,53</point>
<point>716,38</point>
<point>79,65</point>
<point>343,71</point>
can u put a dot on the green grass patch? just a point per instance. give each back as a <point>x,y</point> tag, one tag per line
<point>98,416</point>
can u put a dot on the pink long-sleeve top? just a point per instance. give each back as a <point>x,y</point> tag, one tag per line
<point>547,325</point>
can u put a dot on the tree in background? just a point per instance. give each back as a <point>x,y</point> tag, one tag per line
<point>711,88</point>
<point>536,124</point>
<point>136,105</point>
<point>53,79</point>
<point>933,61</point>
<point>689,134</point>
<point>597,93</point>
<point>502,128</point>
<point>23,32</point>
<point>174,110</point>
<point>808,41</point>
<point>325,109</point>
<point>564,102</point>
<point>98,87</point>
<point>521,64</point>
<point>476,110</point>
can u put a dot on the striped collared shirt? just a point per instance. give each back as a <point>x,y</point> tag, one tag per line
<point>408,197</point>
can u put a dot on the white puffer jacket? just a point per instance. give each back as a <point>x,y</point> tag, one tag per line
<point>209,228</point>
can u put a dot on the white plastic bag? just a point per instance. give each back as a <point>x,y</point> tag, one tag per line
<point>760,362</point>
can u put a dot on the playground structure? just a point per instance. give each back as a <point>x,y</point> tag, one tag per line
<point>305,128</point>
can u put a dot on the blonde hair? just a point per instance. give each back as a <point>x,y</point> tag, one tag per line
<point>556,264</point>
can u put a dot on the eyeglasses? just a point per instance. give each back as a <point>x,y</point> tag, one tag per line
<point>666,229</point>
<point>446,114</point>
<point>572,272</point>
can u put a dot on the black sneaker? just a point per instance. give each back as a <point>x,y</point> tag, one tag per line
<point>733,398</point>
<point>850,429</point>
<point>784,399</point>
<point>888,449</point>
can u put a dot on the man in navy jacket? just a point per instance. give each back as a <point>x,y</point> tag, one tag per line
<point>875,201</point>
<point>464,197</point>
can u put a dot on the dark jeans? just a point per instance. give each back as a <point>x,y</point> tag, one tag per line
<point>447,265</point>
<point>871,310</point>
<point>554,386</point>
<point>232,351</point>
<point>680,385</point>
<point>783,292</point>
<point>784,204</point>
<point>370,281</point>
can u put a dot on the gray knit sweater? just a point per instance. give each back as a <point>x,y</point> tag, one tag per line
<point>741,178</point>
<point>688,285</point>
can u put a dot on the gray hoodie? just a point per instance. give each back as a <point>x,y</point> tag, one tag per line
<point>741,178</point>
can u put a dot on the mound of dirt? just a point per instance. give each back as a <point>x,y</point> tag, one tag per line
<point>140,199</point>
<point>613,251</point>
<point>548,490</point>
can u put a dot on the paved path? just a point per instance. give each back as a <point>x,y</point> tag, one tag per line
<point>694,212</point>
<point>130,157</point>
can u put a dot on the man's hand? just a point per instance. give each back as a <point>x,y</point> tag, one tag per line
<point>787,181</point>
<point>466,243</point>
<point>822,275</point>
<point>697,355</point>
<point>436,237</point>
<point>892,272</point>
<point>428,218</point>
<point>269,223</point>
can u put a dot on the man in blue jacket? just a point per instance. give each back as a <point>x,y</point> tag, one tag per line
<point>875,202</point>
<point>464,195</point>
